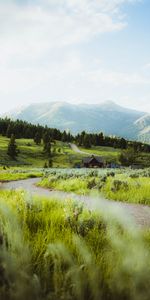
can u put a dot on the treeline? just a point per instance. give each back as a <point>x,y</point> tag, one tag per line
<point>23,129</point>
<point>87,140</point>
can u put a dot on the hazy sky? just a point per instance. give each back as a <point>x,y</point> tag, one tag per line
<point>76,51</point>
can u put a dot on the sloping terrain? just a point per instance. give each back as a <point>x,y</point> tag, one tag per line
<point>107,117</point>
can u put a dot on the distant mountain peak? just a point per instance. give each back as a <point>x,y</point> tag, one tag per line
<point>109,102</point>
<point>107,116</point>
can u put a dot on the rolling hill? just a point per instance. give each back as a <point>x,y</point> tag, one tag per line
<point>108,117</point>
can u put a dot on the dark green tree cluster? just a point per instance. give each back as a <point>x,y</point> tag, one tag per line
<point>128,157</point>
<point>22,129</point>
<point>47,144</point>
<point>87,139</point>
<point>12,150</point>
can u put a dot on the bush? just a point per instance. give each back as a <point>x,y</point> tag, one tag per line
<point>111,174</point>
<point>91,183</point>
<point>134,175</point>
<point>118,185</point>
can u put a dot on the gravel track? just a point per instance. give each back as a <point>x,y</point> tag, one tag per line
<point>134,214</point>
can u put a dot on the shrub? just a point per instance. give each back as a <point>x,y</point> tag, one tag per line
<point>119,185</point>
<point>91,183</point>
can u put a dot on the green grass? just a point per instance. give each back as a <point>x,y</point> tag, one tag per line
<point>128,189</point>
<point>70,185</point>
<point>108,153</point>
<point>63,157</point>
<point>19,173</point>
<point>120,185</point>
<point>32,154</point>
<point>112,155</point>
<point>51,250</point>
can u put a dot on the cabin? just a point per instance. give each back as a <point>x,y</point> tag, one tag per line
<point>93,162</point>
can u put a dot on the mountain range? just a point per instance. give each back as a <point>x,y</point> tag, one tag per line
<point>108,117</point>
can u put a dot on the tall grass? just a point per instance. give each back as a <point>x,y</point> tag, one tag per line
<point>122,185</point>
<point>128,190</point>
<point>51,249</point>
<point>10,174</point>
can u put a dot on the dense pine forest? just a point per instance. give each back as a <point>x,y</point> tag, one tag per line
<point>22,129</point>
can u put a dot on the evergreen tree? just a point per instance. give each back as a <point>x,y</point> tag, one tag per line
<point>86,141</point>
<point>45,165</point>
<point>123,143</point>
<point>101,139</point>
<point>9,131</point>
<point>47,149</point>
<point>50,163</point>
<point>64,137</point>
<point>12,150</point>
<point>128,157</point>
<point>46,138</point>
<point>37,138</point>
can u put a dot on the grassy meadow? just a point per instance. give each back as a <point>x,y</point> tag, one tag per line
<point>32,155</point>
<point>60,250</point>
<point>108,153</point>
<point>125,185</point>
<point>51,249</point>
<point>12,174</point>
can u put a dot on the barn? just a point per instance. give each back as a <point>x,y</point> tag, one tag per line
<point>93,162</point>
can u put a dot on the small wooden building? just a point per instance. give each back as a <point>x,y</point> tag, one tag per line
<point>93,162</point>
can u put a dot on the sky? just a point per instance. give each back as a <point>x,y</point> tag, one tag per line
<point>77,51</point>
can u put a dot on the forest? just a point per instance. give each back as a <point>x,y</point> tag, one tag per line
<point>23,129</point>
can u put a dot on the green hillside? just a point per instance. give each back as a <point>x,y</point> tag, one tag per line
<point>63,156</point>
<point>31,154</point>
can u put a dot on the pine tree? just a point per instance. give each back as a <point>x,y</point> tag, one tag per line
<point>50,163</point>
<point>37,139</point>
<point>128,157</point>
<point>47,149</point>
<point>12,150</point>
<point>86,141</point>
<point>123,143</point>
<point>64,137</point>
<point>9,131</point>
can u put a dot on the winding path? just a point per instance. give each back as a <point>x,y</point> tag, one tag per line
<point>128,214</point>
<point>77,150</point>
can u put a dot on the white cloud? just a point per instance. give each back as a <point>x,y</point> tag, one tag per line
<point>103,76</point>
<point>32,34</point>
<point>30,31</point>
<point>147,66</point>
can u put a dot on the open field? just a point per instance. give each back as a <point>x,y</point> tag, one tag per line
<point>108,153</point>
<point>122,185</point>
<point>62,155</point>
<point>112,154</point>
<point>32,154</point>
<point>12,174</point>
<point>51,249</point>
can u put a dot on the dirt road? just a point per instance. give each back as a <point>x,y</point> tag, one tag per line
<point>125,212</point>
<point>77,150</point>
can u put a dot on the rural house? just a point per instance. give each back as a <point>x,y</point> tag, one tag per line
<point>93,162</point>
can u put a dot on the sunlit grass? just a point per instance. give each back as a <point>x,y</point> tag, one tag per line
<point>121,185</point>
<point>32,154</point>
<point>13,174</point>
<point>130,190</point>
<point>50,249</point>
